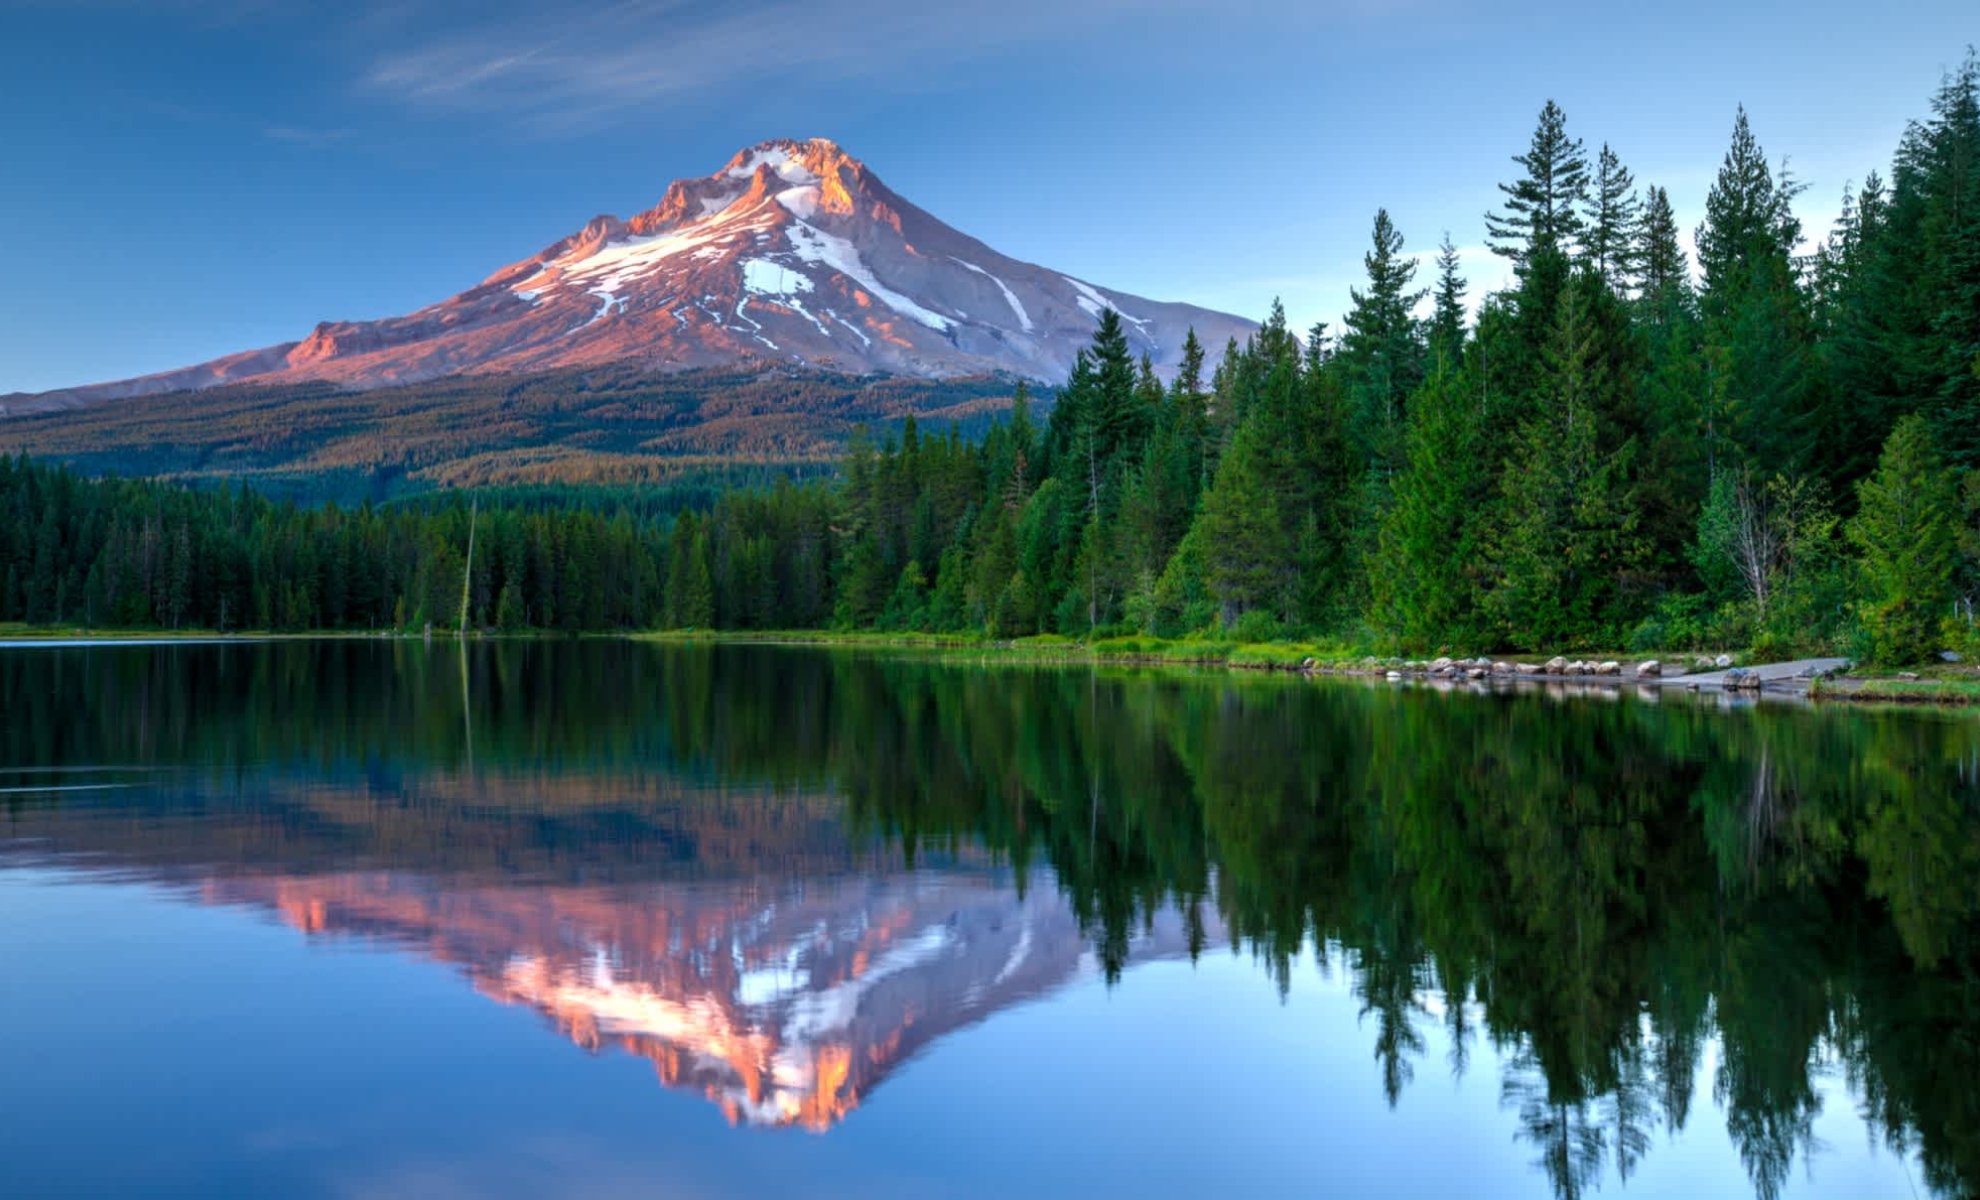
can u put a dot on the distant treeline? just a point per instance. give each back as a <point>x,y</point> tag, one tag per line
<point>135,554</point>
<point>1775,450</point>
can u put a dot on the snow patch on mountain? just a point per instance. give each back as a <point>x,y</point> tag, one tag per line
<point>792,303</point>
<point>617,263</point>
<point>1019,953</point>
<point>853,329</point>
<point>802,202</point>
<point>1089,298</point>
<point>821,1013</point>
<point>1017,307</point>
<point>607,301</point>
<point>814,245</point>
<point>778,159</point>
<point>1094,303</point>
<point>767,278</point>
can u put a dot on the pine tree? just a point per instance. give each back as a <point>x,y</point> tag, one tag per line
<point>1247,545</point>
<point>1560,548</point>
<point>1660,271</point>
<point>177,597</point>
<point>1447,320</point>
<point>1542,208</point>
<point>1907,530</point>
<point>1538,231</point>
<point>1191,415</point>
<point>1763,404</point>
<point>1748,218</point>
<point>508,610</point>
<point>1118,420</point>
<point>698,601</point>
<point>1221,408</point>
<point>1382,353</point>
<point>1611,220</point>
<point>1675,464</point>
<point>1937,178</point>
<point>1189,371</point>
<point>1420,577</point>
<point>1856,308</point>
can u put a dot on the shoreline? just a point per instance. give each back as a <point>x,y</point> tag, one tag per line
<point>1948,690</point>
<point>1945,687</point>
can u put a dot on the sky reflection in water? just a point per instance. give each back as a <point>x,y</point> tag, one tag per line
<point>847,925</point>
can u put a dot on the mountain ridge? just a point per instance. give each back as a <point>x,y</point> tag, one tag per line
<point>793,253</point>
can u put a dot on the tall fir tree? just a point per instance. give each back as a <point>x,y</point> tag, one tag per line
<point>1762,393</point>
<point>1907,530</point>
<point>1857,313</point>
<point>1248,544</point>
<point>1560,544</point>
<point>1423,593</point>
<point>1610,221</point>
<point>1382,355</point>
<point>1936,225</point>
<point>1542,207</point>
<point>1660,272</point>
<point>1447,318</point>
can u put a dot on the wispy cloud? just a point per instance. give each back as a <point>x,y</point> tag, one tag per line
<point>557,71</point>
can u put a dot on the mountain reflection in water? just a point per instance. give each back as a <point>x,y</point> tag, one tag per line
<point>784,1004</point>
<point>779,874</point>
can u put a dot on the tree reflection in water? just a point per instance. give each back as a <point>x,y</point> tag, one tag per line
<point>1611,894</point>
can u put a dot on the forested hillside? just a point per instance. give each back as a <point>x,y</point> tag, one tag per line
<point>607,425</point>
<point>1765,448</point>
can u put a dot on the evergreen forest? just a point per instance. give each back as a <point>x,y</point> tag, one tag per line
<point>1642,443</point>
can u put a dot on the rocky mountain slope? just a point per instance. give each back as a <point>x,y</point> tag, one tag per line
<point>794,254</point>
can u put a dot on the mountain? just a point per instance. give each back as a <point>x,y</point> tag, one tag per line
<point>755,944</point>
<point>794,254</point>
<point>785,1003</point>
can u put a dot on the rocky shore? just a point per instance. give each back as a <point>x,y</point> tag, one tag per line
<point>1716,673</point>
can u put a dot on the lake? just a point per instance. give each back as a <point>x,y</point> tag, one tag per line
<point>597,918</point>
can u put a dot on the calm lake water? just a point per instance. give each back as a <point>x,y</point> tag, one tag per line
<point>600,918</point>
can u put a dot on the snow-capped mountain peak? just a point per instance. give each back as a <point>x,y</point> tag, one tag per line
<point>793,252</point>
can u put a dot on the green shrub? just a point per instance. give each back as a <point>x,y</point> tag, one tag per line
<point>1258,626</point>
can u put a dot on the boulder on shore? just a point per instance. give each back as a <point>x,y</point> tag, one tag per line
<point>1650,667</point>
<point>1723,661</point>
<point>1556,665</point>
<point>1610,667</point>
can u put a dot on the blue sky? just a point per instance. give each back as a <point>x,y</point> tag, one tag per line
<point>179,180</point>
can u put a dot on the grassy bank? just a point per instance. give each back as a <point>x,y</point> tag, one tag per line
<point>1129,651</point>
<point>1947,685</point>
<point>1941,685</point>
<point>1942,690</point>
